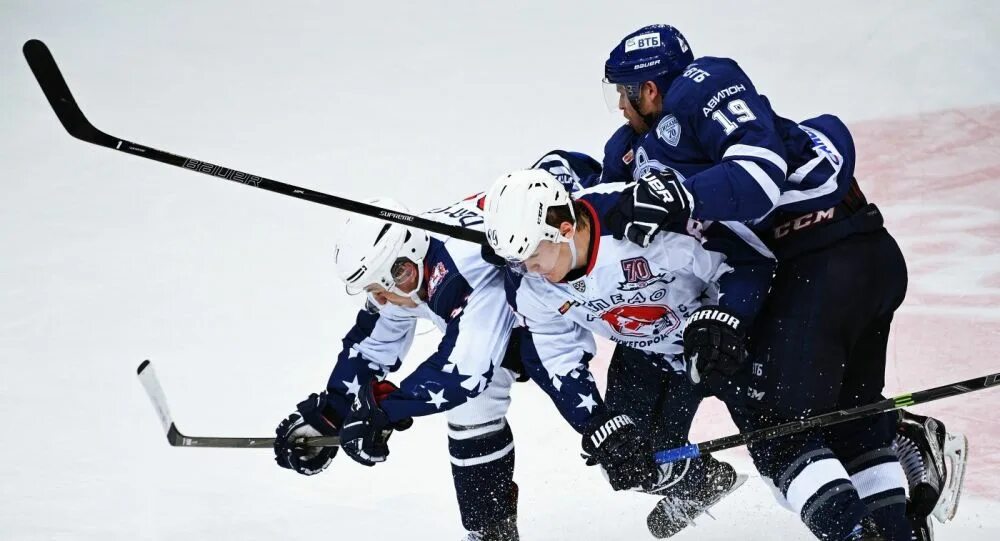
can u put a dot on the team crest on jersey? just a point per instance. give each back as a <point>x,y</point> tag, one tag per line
<point>637,274</point>
<point>669,130</point>
<point>641,320</point>
<point>437,276</point>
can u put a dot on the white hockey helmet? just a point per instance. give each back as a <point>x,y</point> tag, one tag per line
<point>367,250</point>
<point>515,211</point>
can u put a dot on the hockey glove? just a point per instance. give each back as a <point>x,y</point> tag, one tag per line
<point>714,342</point>
<point>313,419</point>
<point>367,427</point>
<point>657,201</point>
<point>612,442</point>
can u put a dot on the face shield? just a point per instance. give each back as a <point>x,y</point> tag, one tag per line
<point>524,266</point>
<point>389,280</point>
<point>614,94</point>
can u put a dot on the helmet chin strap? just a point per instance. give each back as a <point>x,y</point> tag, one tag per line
<point>572,250</point>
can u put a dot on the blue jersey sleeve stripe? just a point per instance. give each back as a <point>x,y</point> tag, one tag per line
<point>830,186</point>
<point>802,172</point>
<point>764,180</point>
<point>750,151</point>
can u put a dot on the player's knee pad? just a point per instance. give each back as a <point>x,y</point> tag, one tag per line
<point>854,438</point>
<point>482,465</point>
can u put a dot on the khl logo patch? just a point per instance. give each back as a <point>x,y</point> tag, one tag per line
<point>669,130</point>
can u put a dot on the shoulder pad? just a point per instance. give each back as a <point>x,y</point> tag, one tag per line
<point>704,78</point>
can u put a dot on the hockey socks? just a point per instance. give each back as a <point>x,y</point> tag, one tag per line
<point>879,480</point>
<point>482,465</point>
<point>817,487</point>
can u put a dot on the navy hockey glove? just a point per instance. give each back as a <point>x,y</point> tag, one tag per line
<point>657,202</point>
<point>714,342</point>
<point>313,419</point>
<point>366,430</point>
<point>612,442</point>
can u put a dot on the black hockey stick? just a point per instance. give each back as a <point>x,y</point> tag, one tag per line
<point>179,439</point>
<point>43,65</point>
<point>834,417</point>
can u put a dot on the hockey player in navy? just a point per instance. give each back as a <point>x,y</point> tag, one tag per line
<point>570,280</point>
<point>702,143</point>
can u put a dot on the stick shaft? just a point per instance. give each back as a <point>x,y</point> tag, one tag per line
<point>828,419</point>
<point>57,91</point>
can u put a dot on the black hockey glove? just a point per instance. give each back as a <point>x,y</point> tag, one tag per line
<point>612,442</point>
<point>313,419</point>
<point>714,342</point>
<point>658,201</point>
<point>366,431</point>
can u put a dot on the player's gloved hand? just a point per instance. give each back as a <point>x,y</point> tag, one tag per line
<point>312,419</point>
<point>714,342</point>
<point>382,390</point>
<point>657,202</point>
<point>366,430</point>
<point>612,441</point>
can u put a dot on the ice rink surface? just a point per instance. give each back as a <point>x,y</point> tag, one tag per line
<point>106,260</point>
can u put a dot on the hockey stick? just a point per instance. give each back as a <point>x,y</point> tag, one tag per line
<point>834,417</point>
<point>43,65</point>
<point>178,439</point>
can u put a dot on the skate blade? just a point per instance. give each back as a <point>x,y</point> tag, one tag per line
<point>956,453</point>
<point>740,479</point>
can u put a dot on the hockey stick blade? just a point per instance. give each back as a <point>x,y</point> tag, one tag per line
<point>176,438</point>
<point>53,84</point>
<point>695,450</point>
<point>43,65</point>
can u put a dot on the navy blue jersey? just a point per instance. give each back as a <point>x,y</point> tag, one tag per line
<point>574,170</point>
<point>737,157</point>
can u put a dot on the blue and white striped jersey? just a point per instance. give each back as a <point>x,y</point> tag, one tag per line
<point>737,157</point>
<point>465,300</point>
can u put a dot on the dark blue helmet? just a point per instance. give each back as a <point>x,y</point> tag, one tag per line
<point>657,53</point>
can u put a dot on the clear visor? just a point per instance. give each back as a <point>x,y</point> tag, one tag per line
<point>387,281</point>
<point>520,266</point>
<point>615,95</point>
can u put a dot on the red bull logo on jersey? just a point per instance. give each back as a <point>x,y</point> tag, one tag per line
<point>641,320</point>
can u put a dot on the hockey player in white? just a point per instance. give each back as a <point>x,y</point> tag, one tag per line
<point>408,276</point>
<point>568,281</point>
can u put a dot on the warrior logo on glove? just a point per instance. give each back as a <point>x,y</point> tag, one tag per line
<point>714,342</point>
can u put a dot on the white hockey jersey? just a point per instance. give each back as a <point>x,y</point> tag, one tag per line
<point>465,300</point>
<point>635,296</point>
